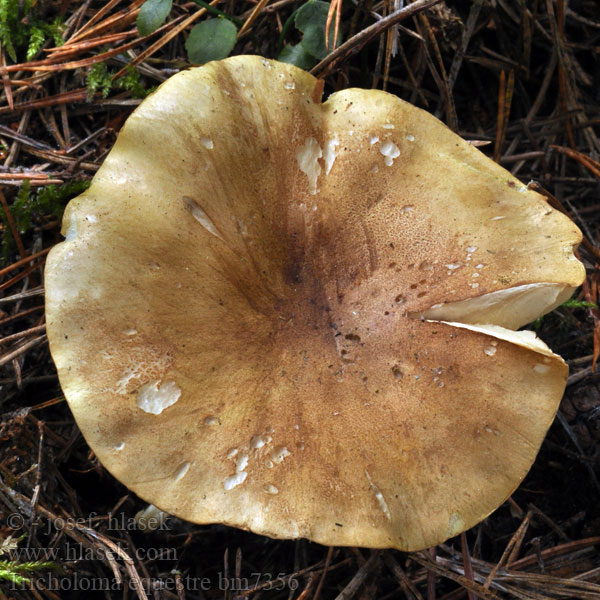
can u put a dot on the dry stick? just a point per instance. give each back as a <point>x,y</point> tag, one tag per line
<point>33,182</point>
<point>55,157</point>
<point>433,567</point>
<point>237,573</point>
<point>436,76</point>
<point>503,113</point>
<point>451,116</point>
<point>129,564</point>
<point>22,334</point>
<point>507,581</point>
<point>563,88</point>
<point>6,82</point>
<point>48,403</point>
<point>50,125</point>
<point>26,175</point>
<point>23,262</point>
<point>535,146</point>
<point>21,349</point>
<point>464,43</point>
<point>523,156</point>
<point>253,15</point>
<point>75,19</point>
<point>510,88</point>
<point>407,585</point>
<point>554,203</point>
<point>513,546</point>
<point>526,20</point>
<point>323,575</point>
<point>21,314</point>
<point>74,49</point>
<point>411,75</point>
<point>12,226</point>
<point>85,141</point>
<point>48,65</point>
<point>335,8</point>
<point>359,577</point>
<point>226,571</point>
<point>309,586</point>
<point>296,566</point>
<point>338,18</point>
<point>389,45</point>
<point>19,137</point>
<point>431,576</point>
<point>595,573</point>
<point>38,481</point>
<point>589,163</point>
<point>121,19</point>
<point>582,456</point>
<point>549,522</point>
<point>56,100</point>
<point>134,552</point>
<point>163,40</point>
<point>38,291</point>
<point>362,37</point>
<point>287,578</point>
<point>64,116</point>
<point>468,568</point>
<point>16,146</point>
<point>21,275</point>
<point>378,60</point>
<point>95,18</point>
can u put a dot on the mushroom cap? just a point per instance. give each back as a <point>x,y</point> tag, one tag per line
<point>241,313</point>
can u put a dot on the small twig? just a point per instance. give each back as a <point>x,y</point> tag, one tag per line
<point>21,314</point>
<point>22,349</point>
<point>464,43</point>
<point>251,18</point>
<point>593,166</point>
<point>38,291</point>
<point>359,577</point>
<point>325,568</point>
<point>22,334</point>
<point>92,26</point>
<point>505,94</point>
<point>432,567</point>
<point>467,563</point>
<point>6,82</point>
<point>23,261</point>
<point>362,37</point>
<point>408,587</point>
<point>569,431</point>
<point>431,576</point>
<point>511,550</point>
<point>13,227</point>
<point>163,40</point>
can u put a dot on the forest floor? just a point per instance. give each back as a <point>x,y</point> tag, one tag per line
<point>521,79</point>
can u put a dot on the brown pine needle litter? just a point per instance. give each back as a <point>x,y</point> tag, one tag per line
<point>521,80</point>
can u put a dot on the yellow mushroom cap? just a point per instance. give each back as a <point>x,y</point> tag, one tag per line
<point>291,316</point>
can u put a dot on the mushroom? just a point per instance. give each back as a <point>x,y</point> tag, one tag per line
<point>297,317</point>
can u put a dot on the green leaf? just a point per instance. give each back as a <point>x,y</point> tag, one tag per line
<point>311,19</point>
<point>210,40</point>
<point>152,15</point>
<point>297,55</point>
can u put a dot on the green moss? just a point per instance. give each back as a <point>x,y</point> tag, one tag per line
<point>99,78</point>
<point>23,30</point>
<point>18,573</point>
<point>30,205</point>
